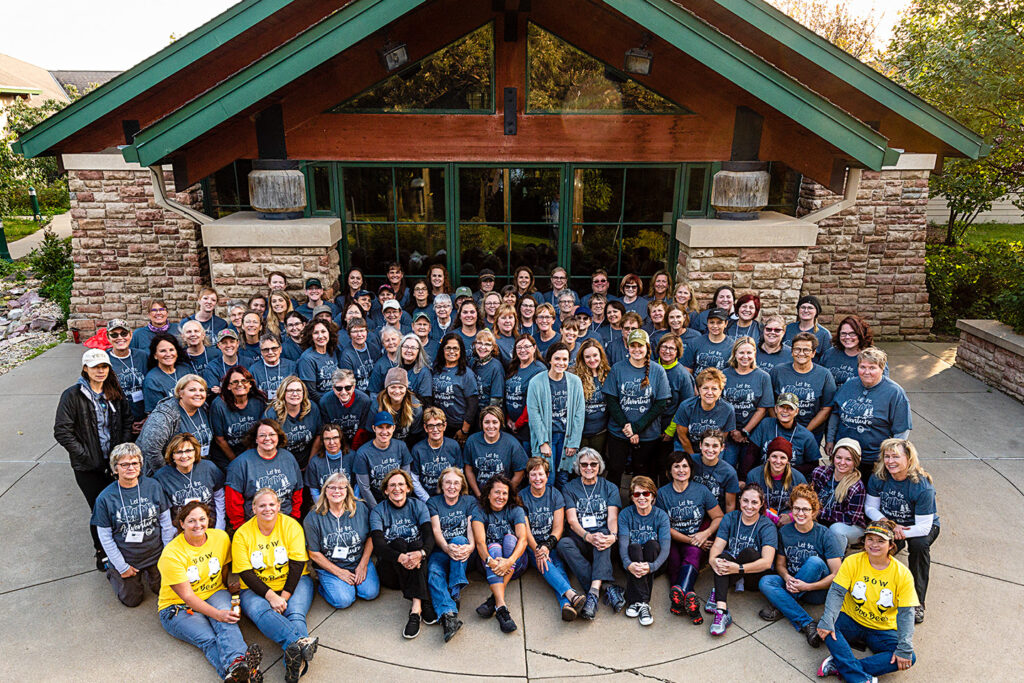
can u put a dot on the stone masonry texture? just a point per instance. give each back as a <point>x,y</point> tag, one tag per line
<point>992,364</point>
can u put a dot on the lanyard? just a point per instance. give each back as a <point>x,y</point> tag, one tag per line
<point>266,372</point>
<point>750,538</point>
<point>191,473</point>
<point>195,428</point>
<point>130,363</point>
<point>138,500</point>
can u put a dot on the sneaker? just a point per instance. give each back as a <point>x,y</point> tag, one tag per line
<point>486,608</point>
<point>568,612</point>
<point>101,561</point>
<point>505,620</point>
<point>810,632</point>
<point>451,624</point>
<point>711,606</point>
<point>770,613</point>
<point>827,668</point>
<point>633,611</point>
<point>614,597</point>
<point>919,614</point>
<point>238,672</point>
<point>721,622</point>
<point>646,618</point>
<point>589,610</point>
<point>412,627</point>
<point>429,615</point>
<point>309,646</point>
<point>293,662</point>
<point>677,598</point>
<point>691,603</point>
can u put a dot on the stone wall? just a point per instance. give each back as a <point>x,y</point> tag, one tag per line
<point>240,272</point>
<point>992,352</point>
<point>870,258</point>
<point>126,249</point>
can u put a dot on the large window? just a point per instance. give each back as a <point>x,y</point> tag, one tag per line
<point>227,191</point>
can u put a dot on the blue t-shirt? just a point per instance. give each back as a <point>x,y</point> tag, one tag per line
<point>350,418</point>
<point>902,501</point>
<point>320,468</point>
<point>704,353</point>
<point>515,390</point>
<point>199,426</point>
<point>638,306</point>
<point>199,484</point>
<point>616,349</point>
<point>376,463</point>
<point>805,446</point>
<point>428,462</point>
<point>142,337</point>
<point>212,326</point>
<point>595,410</point>
<point>870,416</point>
<point>541,511</point>
<point>378,374</point>
<point>500,523</point>
<point>626,383</point>
<point>506,346</point>
<point>735,330</point>
<point>454,519</point>
<point>451,392</point>
<point>769,361</point>
<point>301,431</point>
<point>696,420</point>
<point>136,509</point>
<point>235,425</point>
<point>799,547</point>
<point>814,388</point>
<point>214,374</point>
<point>158,385</point>
<point>290,349</point>
<point>490,381</point>
<point>504,456</point>
<point>639,529</point>
<point>559,399</point>
<point>823,335</point>
<point>360,362</point>
<point>339,539</point>
<point>268,379</point>
<point>681,381</point>
<point>315,370</point>
<point>248,473</point>
<point>199,362</point>
<point>739,536</point>
<point>686,510</point>
<point>719,478</point>
<point>746,393</point>
<point>778,496</point>
<point>131,373</point>
<point>400,522</point>
<point>591,501</point>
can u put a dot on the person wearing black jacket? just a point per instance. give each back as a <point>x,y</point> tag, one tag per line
<point>93,416</point>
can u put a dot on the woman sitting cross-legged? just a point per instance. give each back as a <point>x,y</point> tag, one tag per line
<point>338,538</point>
<point>644,544</point>
<point>500,530</point>
<point>808,559</point>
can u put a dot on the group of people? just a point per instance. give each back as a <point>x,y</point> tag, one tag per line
<point>412,437</point>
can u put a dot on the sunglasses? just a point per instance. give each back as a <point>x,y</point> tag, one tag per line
<point>344,387</point>
<point>642,494</point>
<point>118,335</point>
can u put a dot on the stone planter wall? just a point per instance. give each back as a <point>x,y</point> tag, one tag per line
<point>994,353</point>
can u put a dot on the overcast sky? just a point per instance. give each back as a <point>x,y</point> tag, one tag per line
<point>113,35</point>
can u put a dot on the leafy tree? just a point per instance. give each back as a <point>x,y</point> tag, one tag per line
<point>966,57</point>
<point>834,21</point>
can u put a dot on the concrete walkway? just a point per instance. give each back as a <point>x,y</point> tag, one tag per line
<point>62,621</point>
<point>61,226</point>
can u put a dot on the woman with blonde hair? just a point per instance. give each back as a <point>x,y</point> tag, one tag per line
<point>280,307</point>
<point>185,412</point>
<point>338,538</point>
<point>506,330</point>
<point>451,516</point>
<point>748,389</point>
<point>592,368</point>
<point>188,476</point>
<point>841,491</point>
<point>545,318</point>
<point>660,288</point>
<point>299,418</point>
<point>488,368</point>
<point>397,399</point>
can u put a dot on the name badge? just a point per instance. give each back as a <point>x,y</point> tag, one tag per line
<point>272,394</point>
<point>340,552</point>
<point>589,521</point>
<point>137,396</point>
<point>204,450</point>
<point>133,536</point>
<point>189,500</point>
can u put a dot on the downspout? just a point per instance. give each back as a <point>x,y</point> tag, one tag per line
<point>848,200</point>
<point>161,199</point>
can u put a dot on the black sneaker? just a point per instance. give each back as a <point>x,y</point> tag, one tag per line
<point>429,615</point>
<point>505,620</point>
<point>676,595</point>
<point>589,610</point>
<point>101,561</point>
<point>412,627</point>
<point>810,632</point>
<point>293,662</point>
<point>614,597</point>
<point>486,608</point>
<point>451,624</point>
<point>770,613</point>
<point>691,603</point>
<point>919,614</point>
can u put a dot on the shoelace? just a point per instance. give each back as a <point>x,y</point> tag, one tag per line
<point>644,611</point>
<point>719,618</point>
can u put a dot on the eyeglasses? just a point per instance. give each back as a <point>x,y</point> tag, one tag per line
<point>802,352</point>
<point>265,437</point>
<point>557,277</point>
<point>344,387</point>
<point>803,510</point>
<point>118,335</point>
<point>776,330</point>
<point>332,438</point>
<point>336,488</point>
<point>293,391</point>
<point>642,494</point>
<point>157,310</point>
<point>434,427</point>
<point>524,347</point>
<point>239,383</point>
<point>185,451</point>
<point>600,281</point>
<point>629,286</point>
<point>129,465</point>
<point>270,349</point>
<point>847,335</point>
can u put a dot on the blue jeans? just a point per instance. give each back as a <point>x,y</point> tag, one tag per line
<point>221,643</point>
<point>508,544</point>
<point>340,595</point>
<point>882,643</point>
<point>556,477</point>
<point>283,629</point>
<point>445,574</point>
<point>555,576</point>
<point>774,589</point>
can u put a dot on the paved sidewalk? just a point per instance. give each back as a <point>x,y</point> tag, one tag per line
<point>61,226</point>
<point>62,621</point>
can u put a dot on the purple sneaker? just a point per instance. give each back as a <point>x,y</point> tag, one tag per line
<point>721,622</point>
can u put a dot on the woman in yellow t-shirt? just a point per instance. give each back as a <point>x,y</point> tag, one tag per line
<point>872,600</point>
<point>269,554</point>
<point>194,603</point>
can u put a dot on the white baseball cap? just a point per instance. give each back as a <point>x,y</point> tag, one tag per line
<point>94,357</point>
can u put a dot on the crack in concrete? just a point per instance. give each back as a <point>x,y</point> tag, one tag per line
<point>15,482</point>
<point>419,668</point>
<point>608,669</point>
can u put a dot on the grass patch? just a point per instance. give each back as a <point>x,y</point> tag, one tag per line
<point>990,232</point>
<point>16,228</point>
<point>62,336</point>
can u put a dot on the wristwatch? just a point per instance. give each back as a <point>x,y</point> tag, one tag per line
<point>741,569</point>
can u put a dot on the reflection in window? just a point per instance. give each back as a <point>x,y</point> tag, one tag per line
<point>564,79</point>
<point>456,78</point>
<point>227,190</point>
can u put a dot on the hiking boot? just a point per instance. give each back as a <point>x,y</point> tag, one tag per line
<point>633,611</point>
<point>486,608</point>
<point>412,627</point>
<point>646,618</point>
<point>614,597</point>
<point>721,622</point>
<point>810,632</point>
<point>691,603</point>
<point>309,645</point>
<point>589,610</point>
<point>770,613</point>
<point>827,668</point>
<point>451,624</point>
<point>238,672</point>
<point>293,662</point>
<point>429,615</point>
<point>711,606</point>
<point>919,614</point>
<point>676,596</point>
<point>505,620</point>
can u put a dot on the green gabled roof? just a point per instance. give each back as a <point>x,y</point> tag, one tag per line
<point>336,33</point>
<point>762,80</point>
<point>144,75</point>
<point>808,44</point>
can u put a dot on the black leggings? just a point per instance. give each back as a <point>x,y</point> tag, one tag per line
<point>639,590</point>
<point>92,483</point>
<point>644,455</point>
<point>919,559</point>
<point>412,582</point>
<point>750,581</point>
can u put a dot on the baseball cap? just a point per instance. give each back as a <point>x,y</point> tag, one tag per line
<point>420,314</point>
<point>383,418</point>
<point>719,313</point>
<point>788,399</point>
<point>391,303</point>
<point>463,291</point>
<point>486,274</point>
<point>227,333</point>
<point>637,337</point>
<point>94,357</point>
<point>314,282</point>
<point>583,310</point>
<point>118,324</point>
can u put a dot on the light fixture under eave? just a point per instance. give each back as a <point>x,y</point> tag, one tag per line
<point>639,59</point>
<point>394,55</point>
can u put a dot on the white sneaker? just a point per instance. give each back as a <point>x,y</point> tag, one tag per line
<point>633,611</point>
<point>646,618</point>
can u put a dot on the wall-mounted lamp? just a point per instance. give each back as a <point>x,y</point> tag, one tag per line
<point>394,55</point>
<point>639,59</point>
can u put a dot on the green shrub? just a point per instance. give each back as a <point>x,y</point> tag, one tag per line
<point>51,262</point>
<point>974,282</point>
<point>53,199</point>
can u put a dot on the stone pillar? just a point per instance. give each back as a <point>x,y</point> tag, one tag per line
<point>870,258</point>
<point>125,248</point>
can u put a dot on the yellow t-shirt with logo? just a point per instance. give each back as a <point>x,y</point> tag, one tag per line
<point>268,556</point>
<point>202,567</point>
<point>873,597</point>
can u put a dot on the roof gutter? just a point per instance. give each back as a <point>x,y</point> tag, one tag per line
<point>848,200</point>
<point>162,200</point>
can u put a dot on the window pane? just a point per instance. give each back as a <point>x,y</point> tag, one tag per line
<point>593,247</point>
<point>535,246</point>
<point>322,188</point>
<point>598,195</point>
<point>482,195</point>
<point>371,246</point>
<point>649,194</point>
<point>644,249</point>
<point>483,246</point>
<point>419,246</point>
<point>421,194</point>
<point>368,194</point>
<point>695,188</point>
<point>783,189</point>
<point>534,194</point>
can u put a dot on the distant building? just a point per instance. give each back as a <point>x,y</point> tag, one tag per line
<point>21,80</point>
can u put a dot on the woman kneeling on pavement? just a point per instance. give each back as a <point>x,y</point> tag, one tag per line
<point>744,550</point>
<point>808,559</point>
<point>268,553</point>
<point>644,544</point>
<point>499,527</point>
<point>871,602</point>
<point>338,538</point>
<point>195,605</point>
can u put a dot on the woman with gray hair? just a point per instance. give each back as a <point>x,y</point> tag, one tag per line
<point>414,360</point>
<point>133,521</point>
<point>183,412</point>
